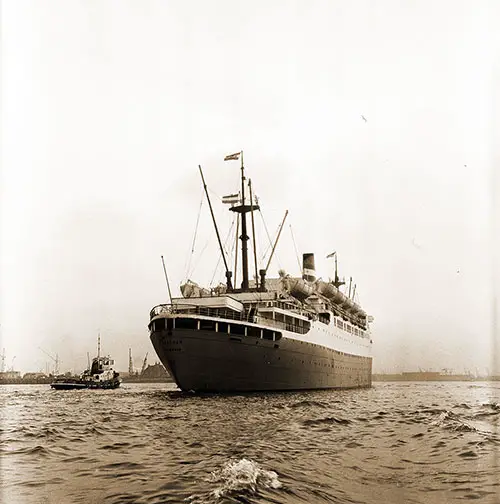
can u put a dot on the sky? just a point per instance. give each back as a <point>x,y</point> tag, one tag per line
<point>374,123</point>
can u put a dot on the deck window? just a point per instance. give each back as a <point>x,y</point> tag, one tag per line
<point>186,323</point>
<point>268,334</point>
<point>237,329</point>
<point>159,325</point>
<point>222,327</point>
<point>207,325</point>
<point>255,332</point>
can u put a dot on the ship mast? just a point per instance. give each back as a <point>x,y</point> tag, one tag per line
<point>337,282</point>
<point>253,236</point>
<point>228,273</point>
<point>236,249</point>
<point>243,210</point>
<point>244,236</point>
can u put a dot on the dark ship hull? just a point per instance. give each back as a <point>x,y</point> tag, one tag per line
<point>207,361</point>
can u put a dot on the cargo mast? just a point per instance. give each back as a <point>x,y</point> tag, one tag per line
<point>243,210</point>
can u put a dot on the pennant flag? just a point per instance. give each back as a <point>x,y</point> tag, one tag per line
<point>231,199</point>
<point>331,255</point>
<point>233,157</point>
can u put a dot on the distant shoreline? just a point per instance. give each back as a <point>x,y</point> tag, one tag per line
<point>430,377</point>
<point>375,378</point>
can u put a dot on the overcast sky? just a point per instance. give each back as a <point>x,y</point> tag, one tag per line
<point>372,122</point>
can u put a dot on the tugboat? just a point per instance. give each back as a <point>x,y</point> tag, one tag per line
<point>100,375</point>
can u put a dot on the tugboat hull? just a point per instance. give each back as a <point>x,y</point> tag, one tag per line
<point>82,384</point>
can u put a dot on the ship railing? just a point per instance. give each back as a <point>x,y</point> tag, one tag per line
<point>178,309</point>
<point>168,309</point>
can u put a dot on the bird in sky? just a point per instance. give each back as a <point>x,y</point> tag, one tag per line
<point>415,244</point>
<point>364,118</point>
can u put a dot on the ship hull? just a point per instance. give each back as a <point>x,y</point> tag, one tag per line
<point>207,361</point>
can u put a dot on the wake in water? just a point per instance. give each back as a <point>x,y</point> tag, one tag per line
<point>483,419</point>
<point>242,475</point>
<point>237,479</point>
<point>453,422</point>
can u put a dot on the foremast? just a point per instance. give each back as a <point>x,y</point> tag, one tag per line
<point>243,209</point>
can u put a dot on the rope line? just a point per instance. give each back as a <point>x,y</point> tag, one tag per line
<point>201,253</point>
<point>220,255</point>
<point>268,236</point>
<point>190,257</point>
<point>295,247</point>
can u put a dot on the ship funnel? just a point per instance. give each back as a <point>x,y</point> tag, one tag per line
<point>308,268</point>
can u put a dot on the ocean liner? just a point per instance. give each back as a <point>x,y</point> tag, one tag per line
<point>268,334</point>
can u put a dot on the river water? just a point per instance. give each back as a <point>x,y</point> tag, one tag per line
<point>149,443</point>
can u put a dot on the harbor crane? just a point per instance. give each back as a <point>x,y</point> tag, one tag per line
<point>55,359</point>
<point>3,356</point>
<point>130,363</point>
<point>144,363</point>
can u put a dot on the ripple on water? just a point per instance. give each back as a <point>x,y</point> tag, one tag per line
<point>393,443</point>
<point>308,404</point>
<point>326,420</point>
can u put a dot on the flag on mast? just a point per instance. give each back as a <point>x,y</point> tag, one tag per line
<point>233,157</point>
<point>231,199</point>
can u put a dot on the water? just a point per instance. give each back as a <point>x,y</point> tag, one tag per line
<point>393,443</point>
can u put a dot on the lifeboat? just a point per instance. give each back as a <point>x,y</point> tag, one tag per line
<point>299,288</point>
<point>348,304</point>
<point>220,289</point>
<point>358,311</point>
<point>192,289</point>
<point>329,290</point>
